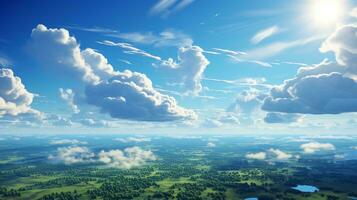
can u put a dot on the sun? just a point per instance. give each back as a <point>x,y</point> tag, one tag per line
<point>326,12</point>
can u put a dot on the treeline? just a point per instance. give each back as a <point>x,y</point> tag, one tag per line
<point>62,196</point>
<point>4,192</point>
<point>121,188</point>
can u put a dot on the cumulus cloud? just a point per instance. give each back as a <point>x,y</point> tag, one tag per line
<point>67,141</point>
<point>264,34</point>
<point>68,96</point>
<point>126,95</point>
<point>247,105</point>
<point>275,154</point>
<point>325,88</point>
<point>62,52</point>
<point>93,123</point>
<point>280,155</point>
<point>331,93</point>
<point>256,156</point>
<point>60,121</point>
<point>130,95</point>
<point>73,155</point>
<point>284,118</point>
<point>313,147</point>
<point>126,159</point>
<point>14,97</point>
<point>189,68</point>
<point>133,139</point>
<point>220,119</point>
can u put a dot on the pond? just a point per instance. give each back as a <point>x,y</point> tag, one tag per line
<point>251,198</point>
<point>306,188</point>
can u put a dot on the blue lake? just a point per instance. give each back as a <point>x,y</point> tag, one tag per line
<point>306,188</point>
<point>251,198</point>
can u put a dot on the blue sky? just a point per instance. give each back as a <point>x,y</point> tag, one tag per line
<point>178,66</point>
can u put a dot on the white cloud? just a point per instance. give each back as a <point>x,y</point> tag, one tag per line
<point>313,147</point>
<point>57,49</point>
<point>220,119</point>
<point>127,95</point>
<point>73,155</point>
<point>211,145</point>
<point>256,156</point>
<point>263,34</point>
<point>130,95</point>
<point>280,155</point>
<point>238,56</point>
<point>325,88</point>
<point>284,118</point>
<point>130,49</point>
<point>166,7</point>
<point>310,95</point>
<point>14,98</point>
<point>95,29</point>
<point>247,101</point>
<point>126,159</point>
<point>133,139</point>
<point>94,123</point>
<point>67,141</point>
<point>60,121</point>
<point>189,68</point>
<point>211,123</point>
<point>68,96</point>
<point>228,52</point>
<point>169,37</point>
<point>276,48</point>
<point>353,12</point>
<point>4,61</point>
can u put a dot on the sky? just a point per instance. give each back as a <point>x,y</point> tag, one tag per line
<point>178,67</point>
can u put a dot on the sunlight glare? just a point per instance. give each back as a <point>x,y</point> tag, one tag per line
<point>326,12</point>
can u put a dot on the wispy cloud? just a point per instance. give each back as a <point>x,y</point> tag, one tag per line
<point>94,29</point>
<point>242,82</point>
<point>130,49</point>
<point>237,56</point>
<point>133,139</point>
<point>228,52</point>
<point>67,141</point>
<point>278,47</point>
<point>168,37</point>
<point>125,61</point>
<point>166,7</point>
<point>264,34</point>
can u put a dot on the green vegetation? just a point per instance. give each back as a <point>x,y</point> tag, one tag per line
<point>178,174</point>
